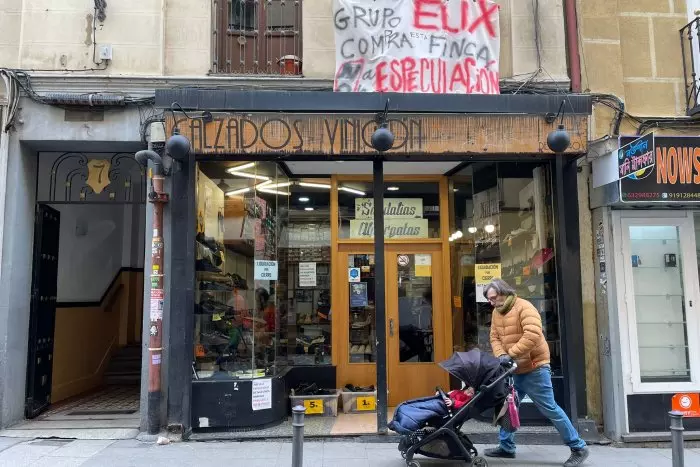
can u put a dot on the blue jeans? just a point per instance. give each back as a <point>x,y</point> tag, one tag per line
<point>538,385</point>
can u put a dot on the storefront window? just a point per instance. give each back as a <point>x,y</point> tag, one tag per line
<point>415,292</point>
<point>659,300</point>
<point>263,272</point>
<point>411,210</point>
<point>502,226</point>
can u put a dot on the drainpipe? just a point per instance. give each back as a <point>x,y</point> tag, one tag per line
<point>572,44</point>
<point>158,198</point>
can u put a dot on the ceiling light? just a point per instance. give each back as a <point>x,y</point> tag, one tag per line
<point>315,185</point>
<point>471,230</point>
<point>279,185</point>
<point>304,199</point>
<point>241,167</point>
<point>458,234</point>
<point>352,190</point>
<point>237,192</point>
<point>274,192</point>
<point>393,188</point>
<point>489,228</point>
<point>455,190</point>
<point>308,208</point>
<point>452,239</point>
<point>247,175</point>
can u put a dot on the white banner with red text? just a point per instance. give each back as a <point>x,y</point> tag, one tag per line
<point>425,46</point>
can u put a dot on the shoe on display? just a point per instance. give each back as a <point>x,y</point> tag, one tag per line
<point>318,340</point>
<point>209,242</point>
<point>214,286</point>
<point>214,338</point>
<point>353,349</point>
<point>238,282</point>
<point>205,265</point>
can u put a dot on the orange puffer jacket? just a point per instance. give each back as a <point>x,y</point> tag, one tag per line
<point>518,333</point>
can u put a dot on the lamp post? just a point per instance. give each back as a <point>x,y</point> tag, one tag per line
<point>382,140</point>
<point>177,147</point>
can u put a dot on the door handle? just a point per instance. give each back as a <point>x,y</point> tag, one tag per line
<point>391,327</point>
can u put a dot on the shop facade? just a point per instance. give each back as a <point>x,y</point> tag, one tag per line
<point>277,281</point>
<point>646,227</point>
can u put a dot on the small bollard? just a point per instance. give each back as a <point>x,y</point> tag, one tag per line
<point>677,438</point>
<point>298,435</point>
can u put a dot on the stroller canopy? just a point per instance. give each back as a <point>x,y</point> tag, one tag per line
<point>475,368</point>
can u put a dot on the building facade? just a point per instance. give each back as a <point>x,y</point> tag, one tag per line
<point>85,86</point>
<point>638,62</point>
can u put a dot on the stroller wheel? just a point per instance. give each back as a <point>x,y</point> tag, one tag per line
<point>414,464</point>
<point>479,462</point>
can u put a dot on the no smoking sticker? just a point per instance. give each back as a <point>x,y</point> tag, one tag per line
<point>403,260</point>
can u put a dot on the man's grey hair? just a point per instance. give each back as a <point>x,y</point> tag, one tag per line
<point>501,287</point>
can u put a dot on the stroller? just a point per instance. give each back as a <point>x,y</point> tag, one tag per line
<point>429,428</point>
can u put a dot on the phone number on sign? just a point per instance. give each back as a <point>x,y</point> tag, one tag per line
<point>684,196</point>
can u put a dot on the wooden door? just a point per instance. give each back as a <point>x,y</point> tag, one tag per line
<point>415,321</point>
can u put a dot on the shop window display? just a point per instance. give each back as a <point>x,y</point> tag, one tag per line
<point>411,210</point>
<point>502,226</point>
<point>263,273</point>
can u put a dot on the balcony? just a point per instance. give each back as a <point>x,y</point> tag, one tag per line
<point>260,37</point>
<point>690,48</point>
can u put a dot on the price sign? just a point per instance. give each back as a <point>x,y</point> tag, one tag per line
<point>368,403</point>
<point>313,406</point>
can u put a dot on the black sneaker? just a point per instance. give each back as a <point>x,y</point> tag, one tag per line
<point>500,453</point>
<point>206,266</point>
<point>209,242</point>
<point>578,457</point>
<point>214,286</point>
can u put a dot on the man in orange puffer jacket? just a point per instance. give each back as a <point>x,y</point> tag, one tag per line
<point>516,334</point>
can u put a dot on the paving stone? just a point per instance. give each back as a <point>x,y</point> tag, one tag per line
<point>81,448</point>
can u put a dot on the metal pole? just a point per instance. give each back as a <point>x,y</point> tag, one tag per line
<point>380,294</point>
<point>155,329</point>
<point>677,438</point>
<point>298,435</point>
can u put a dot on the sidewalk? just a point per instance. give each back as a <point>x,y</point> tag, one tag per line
<point>131,453</point>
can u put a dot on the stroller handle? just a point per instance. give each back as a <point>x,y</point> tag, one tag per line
<point>506,374</point>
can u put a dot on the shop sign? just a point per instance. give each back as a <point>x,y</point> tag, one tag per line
<point>265,270</point>
<point>673,178</point>
<point>393,228</point>
<point>425,46</point>
<point>394,208</point>
<point>424,265</point>
<point>313,406</point>
<point>687,403</point>
<point>351,134</point>
<point>307,274</point>
<point>484,274</point>
<point>366,403</point>
<point>261,398</point>
<point>636,157</point>
<point>358,295</point>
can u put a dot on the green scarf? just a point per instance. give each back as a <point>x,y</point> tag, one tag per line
<point>507,305</point>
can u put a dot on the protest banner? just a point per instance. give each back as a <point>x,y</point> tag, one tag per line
<point>425,46</point>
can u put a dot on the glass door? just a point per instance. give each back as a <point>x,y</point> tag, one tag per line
<point>415,322</point>
<point>661,285</point>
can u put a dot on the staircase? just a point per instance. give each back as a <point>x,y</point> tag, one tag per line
<point>125,367</point>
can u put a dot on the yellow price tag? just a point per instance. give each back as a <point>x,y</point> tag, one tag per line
<point>313,406</point>
<point>216,317</point>
<point>367,403</point>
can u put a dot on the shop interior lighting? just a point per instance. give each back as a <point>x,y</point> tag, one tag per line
<point>278,185</point>
<point>238,192</point>
<point>304,199</point>
<point>490,228</point>
<point>308,208</point>
<point>247,175</point>
<point>315,185</point>
<point>393,188</point>
<point>455,190</point>
<point>274,192</point>
<point>458,234</point>
<point>452,239</point>
<point>472,230</point>
<point>238,168</point>
<point>352,190</point>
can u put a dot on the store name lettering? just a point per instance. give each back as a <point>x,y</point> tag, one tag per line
<point>366,229</point>
<point>678,165</point>
<point>334,135</point>
<point>364,208</point>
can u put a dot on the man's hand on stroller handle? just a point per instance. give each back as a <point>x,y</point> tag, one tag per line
<point>506,360</point>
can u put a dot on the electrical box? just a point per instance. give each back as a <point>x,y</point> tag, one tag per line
<point>105,52</point>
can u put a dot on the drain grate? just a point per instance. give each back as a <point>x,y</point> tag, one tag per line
<point>103,412</point>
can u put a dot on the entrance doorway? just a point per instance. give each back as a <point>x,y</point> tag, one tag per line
<point>415,327</point>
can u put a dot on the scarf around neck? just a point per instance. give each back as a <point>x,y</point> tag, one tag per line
<point>507,305</point>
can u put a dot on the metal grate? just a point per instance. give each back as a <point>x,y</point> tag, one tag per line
<point>256,37</point>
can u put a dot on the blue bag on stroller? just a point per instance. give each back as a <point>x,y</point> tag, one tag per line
<point>417,413</point>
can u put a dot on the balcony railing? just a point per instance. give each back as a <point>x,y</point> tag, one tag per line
<point>690,48</point>
<point>260,37</point>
